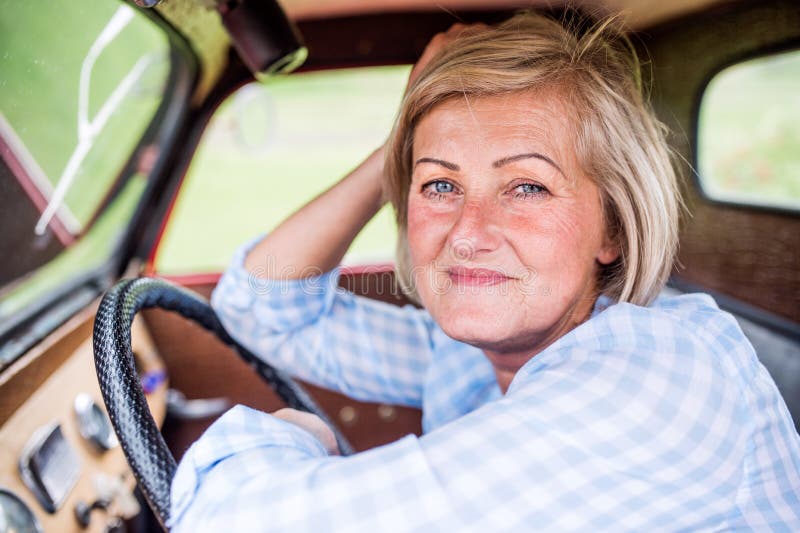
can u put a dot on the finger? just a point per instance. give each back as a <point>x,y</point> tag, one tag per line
<point>458,29</point>
<point>437,43</point>
<point>440,41</point>
<point>313,424</point>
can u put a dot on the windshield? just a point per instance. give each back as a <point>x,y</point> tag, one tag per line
<point>278,145</point>
<point>78,92</point>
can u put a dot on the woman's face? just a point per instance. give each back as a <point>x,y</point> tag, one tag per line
<point>504,228</point>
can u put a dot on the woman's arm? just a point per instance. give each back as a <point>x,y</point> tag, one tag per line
<point>630,424</point>
<point>368,350</point>
<point>315,238</point>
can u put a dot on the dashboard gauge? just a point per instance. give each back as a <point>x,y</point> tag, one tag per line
<point>93,423</point>
<point>15,516</point>
<point>49,466</point>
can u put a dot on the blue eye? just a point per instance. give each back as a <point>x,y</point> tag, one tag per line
<point>442,186</point>
<point>525,190</point>
<point>530,188</point>
<point>438,188</point>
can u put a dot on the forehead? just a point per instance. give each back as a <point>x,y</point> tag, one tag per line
<point>540,118</point>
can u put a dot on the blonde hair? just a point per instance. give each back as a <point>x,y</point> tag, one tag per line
<point>619,142</point>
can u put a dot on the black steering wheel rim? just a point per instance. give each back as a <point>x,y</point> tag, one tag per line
<point>147,453</point>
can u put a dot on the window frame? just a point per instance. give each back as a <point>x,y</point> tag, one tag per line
<point>792,45</point>
<point>28,326</point>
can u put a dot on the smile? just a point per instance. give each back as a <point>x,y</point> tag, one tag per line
<point>476,276</point>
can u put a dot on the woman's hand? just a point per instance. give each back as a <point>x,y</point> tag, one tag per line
<point>313,424</point>
<point>439,42</point>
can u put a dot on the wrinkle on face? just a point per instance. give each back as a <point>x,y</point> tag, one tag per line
<point>548,243</point>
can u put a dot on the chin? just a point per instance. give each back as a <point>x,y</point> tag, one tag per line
<point>497,340</point>
<point>478,325</point>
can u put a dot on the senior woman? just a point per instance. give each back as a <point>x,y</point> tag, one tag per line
<point>537,209</point>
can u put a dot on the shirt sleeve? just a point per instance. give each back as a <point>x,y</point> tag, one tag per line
<point>320,333</point>
<point>633,431</point>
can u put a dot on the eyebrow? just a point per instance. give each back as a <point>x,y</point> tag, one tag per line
<point>497,164</point>
<point>446,164</point>
<point>533,155</point>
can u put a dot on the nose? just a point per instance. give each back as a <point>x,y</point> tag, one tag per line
<point>475,231</point>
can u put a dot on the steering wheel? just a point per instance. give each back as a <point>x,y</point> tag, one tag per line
<point>148,456</point>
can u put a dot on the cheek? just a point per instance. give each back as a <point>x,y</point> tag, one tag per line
<point>566,227</point>
<point>558,240</point>
<point>427,231</point>
<point>555,225</point>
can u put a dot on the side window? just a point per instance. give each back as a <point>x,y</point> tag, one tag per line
<point>271,148</point>
<point>77,93</point>
<point>748,137</point>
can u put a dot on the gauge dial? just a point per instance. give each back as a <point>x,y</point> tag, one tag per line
<point>15,516</point>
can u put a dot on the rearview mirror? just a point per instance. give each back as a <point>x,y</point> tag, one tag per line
<point>266,40</point>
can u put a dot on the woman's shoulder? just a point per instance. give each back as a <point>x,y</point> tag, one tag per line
<point>685,329</point>
<point>676,304</point>
<point>676,330</point>
<point>688,305</point>
<point>699,315</point>
<point>682,348</point>
<point>677,315</point>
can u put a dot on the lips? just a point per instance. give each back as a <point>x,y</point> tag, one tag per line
<point>476,276</point>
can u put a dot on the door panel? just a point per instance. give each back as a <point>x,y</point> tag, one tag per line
<point>749,253</point>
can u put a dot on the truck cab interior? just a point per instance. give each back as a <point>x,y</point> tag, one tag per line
<point>152,138</point>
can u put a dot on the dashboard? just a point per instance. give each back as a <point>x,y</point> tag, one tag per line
<point>61,468</point>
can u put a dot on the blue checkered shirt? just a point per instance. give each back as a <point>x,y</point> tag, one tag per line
<point>640,419</point>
